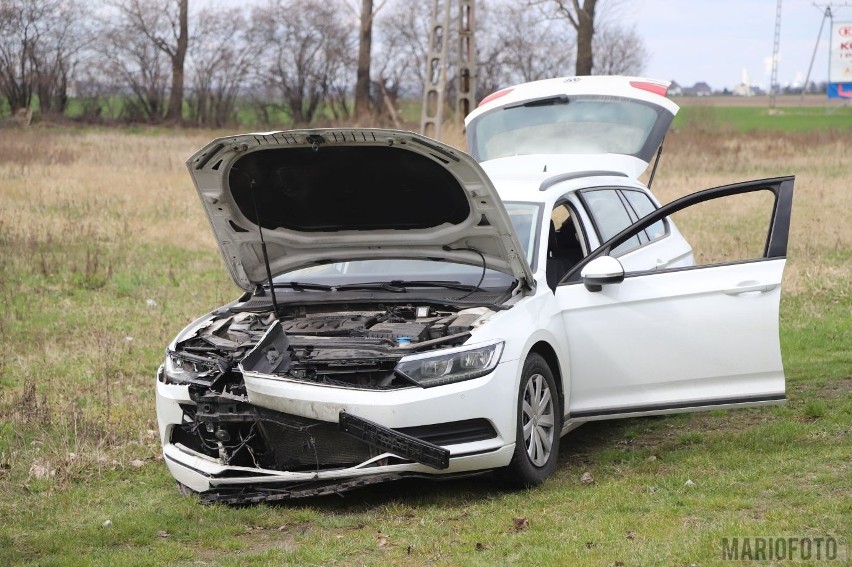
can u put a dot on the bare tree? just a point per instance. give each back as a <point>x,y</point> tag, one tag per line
<point>132,65</point>
<point>619,51</point>
<point>164,24</point>
<point>219,61</point>
<point>365,42</point>
<point>20,31</point>
<point>39,44</point>
<point>364,86</point>
<point>580,14</point>
<point>306,45</point>
<point>518,45</point>
<point>402,33</point>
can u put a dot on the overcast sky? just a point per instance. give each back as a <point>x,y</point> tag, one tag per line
<point>714,40</point>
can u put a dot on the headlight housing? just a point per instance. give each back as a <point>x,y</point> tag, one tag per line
<point>182,370</point>
<point>452,365</point>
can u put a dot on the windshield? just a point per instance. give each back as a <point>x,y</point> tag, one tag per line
<point>525,220</point>
<point>562,125</point>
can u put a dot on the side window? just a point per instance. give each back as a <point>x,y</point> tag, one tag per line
<point>718,226</point>
<point>643,206</point>
<point>610,216</point>
<point>569,237</point>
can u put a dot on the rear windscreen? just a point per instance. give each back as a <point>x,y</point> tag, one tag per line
<point>570,125</point>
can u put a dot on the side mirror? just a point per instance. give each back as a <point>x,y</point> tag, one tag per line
<point>602,270</point>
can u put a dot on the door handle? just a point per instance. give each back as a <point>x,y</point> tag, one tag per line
<point>750,287</point>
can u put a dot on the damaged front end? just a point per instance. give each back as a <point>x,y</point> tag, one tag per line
<point>230,418</point>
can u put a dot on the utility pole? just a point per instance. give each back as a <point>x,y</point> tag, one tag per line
<point>435,88</point>
<point>773,81</point>
<point>466,62</point>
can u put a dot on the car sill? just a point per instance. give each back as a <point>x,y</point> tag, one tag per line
<point>661,409</point>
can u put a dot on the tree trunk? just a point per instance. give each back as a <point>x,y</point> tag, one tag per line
<point>362,84</point>
<point>175,111</point>
<point>585,33</point>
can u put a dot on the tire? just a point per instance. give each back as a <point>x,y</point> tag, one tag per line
<point>538,426</point>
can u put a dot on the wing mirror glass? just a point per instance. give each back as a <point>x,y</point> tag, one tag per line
<point>602,270</point>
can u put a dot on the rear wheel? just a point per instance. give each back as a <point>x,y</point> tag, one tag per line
<point>538,426</point>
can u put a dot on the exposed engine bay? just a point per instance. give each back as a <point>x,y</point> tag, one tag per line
<point>353,347</point>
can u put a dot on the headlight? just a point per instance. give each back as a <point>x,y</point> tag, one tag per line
<point>452,365</point>
<point>180,370</point>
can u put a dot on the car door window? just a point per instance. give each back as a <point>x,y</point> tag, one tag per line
<point>724,225</point>
<point>564,247</point>
<point>610,217</point>
<point>643,206</point>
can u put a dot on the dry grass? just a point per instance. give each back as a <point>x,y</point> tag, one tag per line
<point>78,210</point>
<point>99,185</point>
<point>821,234</point>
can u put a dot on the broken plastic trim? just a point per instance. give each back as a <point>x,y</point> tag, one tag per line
<point>258,494</point>
<point>400,444</point>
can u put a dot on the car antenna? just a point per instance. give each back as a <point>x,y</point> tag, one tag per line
<point>656,162</point>
<point>263,249</point>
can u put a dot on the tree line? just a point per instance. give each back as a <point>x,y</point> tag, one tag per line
<point>294,62</point>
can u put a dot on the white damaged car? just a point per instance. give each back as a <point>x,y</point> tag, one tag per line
<point>412,310</point>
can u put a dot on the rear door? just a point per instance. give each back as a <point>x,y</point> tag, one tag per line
<point>681,338</point>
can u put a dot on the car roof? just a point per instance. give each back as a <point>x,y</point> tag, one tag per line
<point>548,188</point>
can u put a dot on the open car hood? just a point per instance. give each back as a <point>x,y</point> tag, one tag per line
<point>332,195</point>
<point>572,124</point>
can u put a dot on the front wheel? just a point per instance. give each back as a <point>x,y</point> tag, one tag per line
<point>538,426</point>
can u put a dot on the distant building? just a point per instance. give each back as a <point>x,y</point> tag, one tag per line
<point>675,89</point>
<point>744,88</point>
<point>701,89</point>
<point>698,89</point>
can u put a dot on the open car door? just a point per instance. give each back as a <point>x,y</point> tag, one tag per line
<point>662,341</point>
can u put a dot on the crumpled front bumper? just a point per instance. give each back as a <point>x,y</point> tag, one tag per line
<point>491,397</point>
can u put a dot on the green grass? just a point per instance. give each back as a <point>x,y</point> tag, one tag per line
<point>788,117</point>
<point>778,471</point>
<point>760,119</point>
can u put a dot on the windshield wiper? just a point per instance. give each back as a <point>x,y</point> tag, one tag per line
<point>549,101</point>
<point>301,286</point>
<point>396,286</point>
<point>401,285</point>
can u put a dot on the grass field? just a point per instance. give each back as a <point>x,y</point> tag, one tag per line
<point>105,254</point>
<point>761,119</point>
